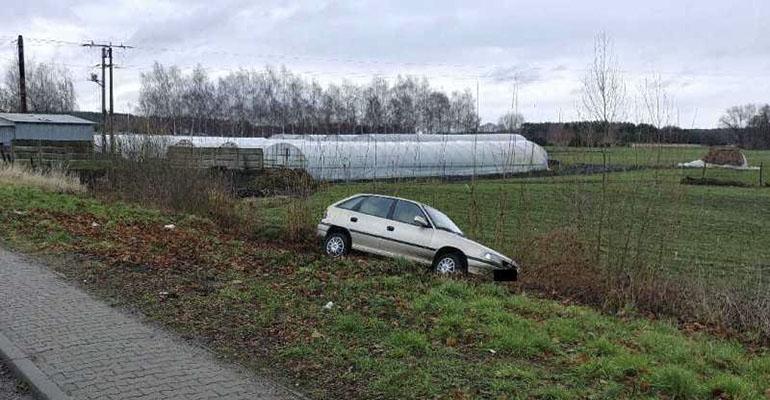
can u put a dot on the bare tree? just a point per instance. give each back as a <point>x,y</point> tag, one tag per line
<point>737,119</point>
<point>197,99</point>
<point>49,88</point>
<point>657,105</point>
<point>603,89</point>
<point>510,121</point>
<point>436,113</point>
<point>402,105</point>
<point>161,94</point>
<point>463,112</point>
<point>375,100</point>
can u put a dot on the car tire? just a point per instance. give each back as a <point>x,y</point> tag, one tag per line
<point>449,264</point>
<point>337,245</point>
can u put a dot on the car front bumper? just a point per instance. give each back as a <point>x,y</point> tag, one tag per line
<point>502,271</point>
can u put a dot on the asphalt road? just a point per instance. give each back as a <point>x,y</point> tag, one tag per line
<point>10,387</point>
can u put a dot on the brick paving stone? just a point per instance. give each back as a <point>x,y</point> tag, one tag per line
<point>94,351</point>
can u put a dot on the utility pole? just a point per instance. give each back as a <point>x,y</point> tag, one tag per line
<point>112,106</point>
<point>104,106</point>
<point>22,77</point>
<point>107,122</point>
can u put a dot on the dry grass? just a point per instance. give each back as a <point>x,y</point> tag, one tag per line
<point>299,222</point>
<point>56,180</point>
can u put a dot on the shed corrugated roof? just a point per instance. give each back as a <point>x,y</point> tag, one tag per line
<point>44,119</point>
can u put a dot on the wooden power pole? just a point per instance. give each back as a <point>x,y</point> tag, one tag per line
<point>112,106</point>
<point>107,122</point>
<point>104,105</point>
<point>22,77</point>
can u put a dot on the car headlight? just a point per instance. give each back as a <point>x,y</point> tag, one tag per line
<point>493,257</point>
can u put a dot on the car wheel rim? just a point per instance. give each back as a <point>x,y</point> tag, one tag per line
<point>446,266</point>
<point>335,246</point>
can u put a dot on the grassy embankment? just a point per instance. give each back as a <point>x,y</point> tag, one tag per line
<point>394,331</point>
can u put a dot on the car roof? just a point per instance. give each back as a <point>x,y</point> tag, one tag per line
<point>387,197</point>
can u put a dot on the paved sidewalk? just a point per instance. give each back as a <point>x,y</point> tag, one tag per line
<point>90,350</point>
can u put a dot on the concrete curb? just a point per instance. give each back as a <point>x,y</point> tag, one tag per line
<point>25,369</point>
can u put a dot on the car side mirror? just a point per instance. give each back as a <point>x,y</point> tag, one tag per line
<point>420,220</point>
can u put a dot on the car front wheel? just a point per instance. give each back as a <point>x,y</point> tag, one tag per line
<point>336,245</point>
<point>449,264</point>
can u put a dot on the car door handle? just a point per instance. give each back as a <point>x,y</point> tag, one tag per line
<point>390,228</point>
<point>353,219</point>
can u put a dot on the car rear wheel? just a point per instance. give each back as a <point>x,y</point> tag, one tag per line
<point>336,245</point>
<point>449,264</point>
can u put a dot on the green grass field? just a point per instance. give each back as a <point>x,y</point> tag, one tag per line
<point>700,229</point>
<point>659,157</point>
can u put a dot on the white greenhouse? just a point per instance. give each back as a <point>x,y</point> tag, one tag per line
<point>364,157</point>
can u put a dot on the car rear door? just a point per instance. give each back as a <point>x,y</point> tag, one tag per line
<point>410,239</point>
<point>368,224</point>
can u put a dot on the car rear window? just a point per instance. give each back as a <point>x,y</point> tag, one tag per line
<point>376,206</point>
<point>406,211</point>
<point>352,203</point>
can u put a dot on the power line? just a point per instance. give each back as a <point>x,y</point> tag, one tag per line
<point>486,71</point>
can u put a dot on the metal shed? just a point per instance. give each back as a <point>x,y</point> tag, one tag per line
<point>48,127</point>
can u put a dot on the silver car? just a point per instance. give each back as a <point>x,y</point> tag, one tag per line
<point>395,227</point>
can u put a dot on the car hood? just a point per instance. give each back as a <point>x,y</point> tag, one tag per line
<point>470,247</point>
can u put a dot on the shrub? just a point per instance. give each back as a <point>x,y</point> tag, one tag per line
<point>561,263</point>
<point>144,176</point>
<point>279,182</point>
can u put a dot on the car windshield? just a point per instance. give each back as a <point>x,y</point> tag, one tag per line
<point>442,221</point>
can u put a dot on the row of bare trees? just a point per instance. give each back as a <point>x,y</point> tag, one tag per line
<point>49,88</point>
<point>193,103</point>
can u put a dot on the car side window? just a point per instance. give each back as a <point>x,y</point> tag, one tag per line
<point>406,211</point>
<point>352,203</point>
<point>376,206</point>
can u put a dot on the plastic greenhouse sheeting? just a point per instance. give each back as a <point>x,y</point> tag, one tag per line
<point>362,157</point>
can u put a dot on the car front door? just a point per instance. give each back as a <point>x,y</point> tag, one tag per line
<point>410,239</point>
<point>369,225</point>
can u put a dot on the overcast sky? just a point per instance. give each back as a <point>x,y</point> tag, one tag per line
<point>711,54</point>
